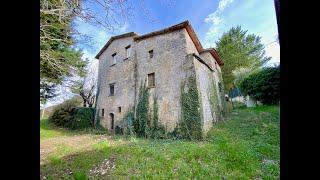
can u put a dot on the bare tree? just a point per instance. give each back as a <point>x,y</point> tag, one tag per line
<point>86,87</point>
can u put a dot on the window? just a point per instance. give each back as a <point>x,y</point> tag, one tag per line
<point>111,89</point>
<point>114,58</point>
<point>119,109</point>
<point>151,80</point>
<point>102,112</point>
<point>128,51</point>
<point>151,54</point>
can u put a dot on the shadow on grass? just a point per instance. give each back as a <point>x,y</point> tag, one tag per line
<point>46,126</point>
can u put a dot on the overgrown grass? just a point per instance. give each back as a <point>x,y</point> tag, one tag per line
<point>48,130</point>
<point>244,147</point>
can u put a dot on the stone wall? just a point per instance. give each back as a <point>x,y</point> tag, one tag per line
<point>122,74</point>
<point>168,55</point>
<point>172,62</point>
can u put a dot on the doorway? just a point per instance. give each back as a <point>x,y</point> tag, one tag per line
<point>112,120</point>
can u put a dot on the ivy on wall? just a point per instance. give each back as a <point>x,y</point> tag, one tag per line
<point>146,123</point>
<point>214,101</point>
<point>189,126</point>
<point>141,120</point>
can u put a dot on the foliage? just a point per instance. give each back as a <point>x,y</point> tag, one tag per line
<point>156,130</point>
<point>189,126</point>
<point>146,124</point>
<point>263,85</point>
<point>58,60</point>
<point>70,116</point>
<point>214,102</point>
<point>63,112</point>
<point>141,120</point>
<point>47,91</point>
<point>82,118</point>
<point>241,73</point>
<point>237,49</point>
<point>245,147</point>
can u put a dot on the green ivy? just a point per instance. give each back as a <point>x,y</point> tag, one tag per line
<point>155,129</point>
<point>146,124</point>
<point>189,126</point>
<point>97,124</point>
<point>214,102</point>
<point>126,124</point>
<point>141,120</point>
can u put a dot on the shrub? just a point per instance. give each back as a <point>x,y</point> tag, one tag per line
<point>63,113</point>
<point>81,118</point>
<point>70,116</point>
<point>263,85</point>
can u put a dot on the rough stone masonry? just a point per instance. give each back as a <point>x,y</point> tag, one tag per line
<point>163,61</point>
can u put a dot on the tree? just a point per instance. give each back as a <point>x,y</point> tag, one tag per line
<point>86,87</point>
<point>47,91</point>
<point>241,73</point>
<point>58,60</point>
<point>263,85</point>
<point>237,49</point>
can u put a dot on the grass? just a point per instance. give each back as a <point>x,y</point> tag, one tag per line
<point>244,147</point>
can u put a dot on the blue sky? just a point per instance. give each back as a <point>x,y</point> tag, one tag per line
<point>209,18</point>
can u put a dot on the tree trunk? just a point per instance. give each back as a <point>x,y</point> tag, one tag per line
<point>42,114</point>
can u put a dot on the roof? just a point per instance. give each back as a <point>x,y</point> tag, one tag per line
<point>112,39</point>
<point>184,24</point>
<point>215,54</point>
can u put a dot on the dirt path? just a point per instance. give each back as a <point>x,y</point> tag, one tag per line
<point>68,143</point>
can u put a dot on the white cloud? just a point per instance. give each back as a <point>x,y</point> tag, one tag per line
<point>256,16</point>
<point>223,4</point>
<point>215,19</point>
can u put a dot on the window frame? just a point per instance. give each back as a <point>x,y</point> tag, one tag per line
<point>154,80</point>
<point>114,59</point>
<point>113,85</point>
<point>128,51</point>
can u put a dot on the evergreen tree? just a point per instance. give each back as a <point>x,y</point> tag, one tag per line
<point>239,50</point>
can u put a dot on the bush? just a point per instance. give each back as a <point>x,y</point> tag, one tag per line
<point>264,85</point>
<point>70,116</point>
<point>63,113</point>
<point>81,118</point>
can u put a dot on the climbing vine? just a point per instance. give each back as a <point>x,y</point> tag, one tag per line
<point>146,124</point>
<point>189,126</point>
<point>155,129</point>
<point>214,102</point>
<point>141,120</point>
<point>126,124</point>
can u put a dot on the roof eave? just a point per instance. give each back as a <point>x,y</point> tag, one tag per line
<point>112,39</point>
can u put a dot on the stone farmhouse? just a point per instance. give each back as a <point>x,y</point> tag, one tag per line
<point>163,61</point>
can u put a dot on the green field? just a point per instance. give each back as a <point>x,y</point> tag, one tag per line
<point>245,146</point>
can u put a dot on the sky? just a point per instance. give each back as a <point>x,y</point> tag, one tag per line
<point>209,18</point>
